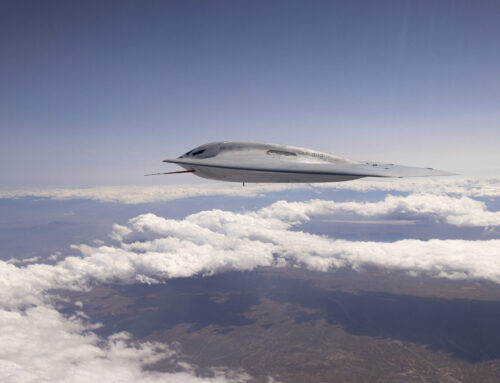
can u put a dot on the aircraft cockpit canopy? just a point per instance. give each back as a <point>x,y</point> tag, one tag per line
<point>204,151</point>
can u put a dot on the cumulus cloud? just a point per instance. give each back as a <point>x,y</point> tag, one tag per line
<point>472,187</point>
<point>463,211</point>
<point>151,248</point>
<point>213,241</point>
<point>39,344</point>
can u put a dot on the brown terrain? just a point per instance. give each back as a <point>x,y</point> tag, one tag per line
<point>303,326</point>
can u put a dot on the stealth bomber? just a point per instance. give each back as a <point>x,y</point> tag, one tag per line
<point>237,161</point>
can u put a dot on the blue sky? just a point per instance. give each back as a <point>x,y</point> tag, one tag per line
<point>99,92</point>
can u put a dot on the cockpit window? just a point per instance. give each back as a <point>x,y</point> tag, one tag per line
<point>205,151</point>
<point>193,153</point>
<point>281,152</point>
<point>198,152</point>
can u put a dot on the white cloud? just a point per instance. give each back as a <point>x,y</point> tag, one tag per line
<point>467,186</point>
<point>462,211</point>
<point>146,194</point>
<point>24,260</point>
<point>472,187</point>
<point>152,248</point>
<point>214,241</point>
<point>41,345</point>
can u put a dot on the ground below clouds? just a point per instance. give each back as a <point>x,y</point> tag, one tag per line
<point>297,325</point>
<point>422,305</point>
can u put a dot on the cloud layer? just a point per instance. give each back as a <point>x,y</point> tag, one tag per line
<point>147,194</point>
<point>463,211</point>
<point>39,344</point>
<point>472,187</point>
<point>467,186</point>
<point>213,241</point>
<point>151,249</point>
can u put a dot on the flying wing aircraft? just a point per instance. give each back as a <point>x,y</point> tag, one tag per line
<point>237,161</point>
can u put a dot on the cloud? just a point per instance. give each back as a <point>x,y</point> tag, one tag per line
<point>151,249</point>
<point>39,344</point>
<point>462,211</point>
<point>214,241</point>
<point>25,260</point>
<point>467,186</point>
<point>147,194</point>
<point>472,187</point>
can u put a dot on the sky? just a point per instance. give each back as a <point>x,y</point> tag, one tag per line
<point>95,94</point>
<point>99,92</point>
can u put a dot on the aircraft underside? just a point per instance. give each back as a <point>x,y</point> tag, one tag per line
<point>259,176</point>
